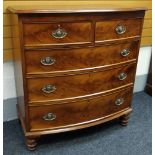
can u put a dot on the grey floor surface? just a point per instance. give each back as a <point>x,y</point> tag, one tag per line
<point>106,139</point>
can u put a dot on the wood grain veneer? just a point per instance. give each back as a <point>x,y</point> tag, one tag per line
<point>78,85</point>
<point>41,33</point>
<point>79,58</point>
<point>133,28</point>
<point>82,68</point>
<point>72,114</point>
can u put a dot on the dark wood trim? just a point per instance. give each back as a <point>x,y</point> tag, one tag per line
<point>58,22</point>
<point>72,21</point>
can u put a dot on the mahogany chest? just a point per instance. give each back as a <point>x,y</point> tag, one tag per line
<point>74,68</point>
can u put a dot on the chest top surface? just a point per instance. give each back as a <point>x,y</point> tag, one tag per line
<point>71,9</point>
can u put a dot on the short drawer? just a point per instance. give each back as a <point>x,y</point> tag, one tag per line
<point>64,87</point>
<point>78,113</point>
<point>117,29</point>
<point>47,61</point>
<point>38,34</point>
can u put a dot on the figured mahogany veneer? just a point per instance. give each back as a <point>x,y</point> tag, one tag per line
<point>73,114</point>
<point>78,85</point>
<point>79,58</point>
<point>41,33</point>
<point>74,68</point>
<point>133,29</point>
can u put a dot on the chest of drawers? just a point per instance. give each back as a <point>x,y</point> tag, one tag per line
<point>74,68</point>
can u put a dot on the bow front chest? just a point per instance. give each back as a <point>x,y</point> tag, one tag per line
<point>74,68</point>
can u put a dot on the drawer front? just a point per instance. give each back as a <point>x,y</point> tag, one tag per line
<point>118,29</point>
<point>38,34</point>
<point>73,59</point>
<point>70,114</point>
<point>62,87</point>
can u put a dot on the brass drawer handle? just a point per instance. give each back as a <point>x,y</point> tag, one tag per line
<point>120,29</point>
<point>125,52</point>
<point>47,61</point>
<point>59,33</point>
<point>49,117</point>
<point>119,101</point>
<point>122,76</point>
<point>48,88</point>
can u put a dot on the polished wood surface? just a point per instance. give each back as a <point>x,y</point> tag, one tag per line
<point>41,33</point>
<point>78,112</point>
<point>78,85</point>
<point>74,59</point>
<point>31,135</point>
<point>105,30</point>
<point>70,9</point>
<point>18,67</point>
<point>89,81</point>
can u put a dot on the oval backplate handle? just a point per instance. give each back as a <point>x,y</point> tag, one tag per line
<point>49,117</point>
<point>125,52</point>
<point>48,88</point>
<point>119,101</point>
<point>122,76</point>
<point>120,29</point>
<point>59,33</point>
<point>47,61</point>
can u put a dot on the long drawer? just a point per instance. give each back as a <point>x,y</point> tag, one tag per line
<point>47,61</point>
<point>72,114</point>
<point>39,33</point>
<point>61,87</point>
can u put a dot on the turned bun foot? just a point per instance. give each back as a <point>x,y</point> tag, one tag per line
<point>124,119</point>
<point>31,142</point>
